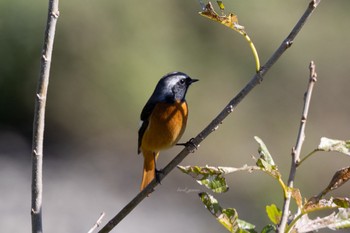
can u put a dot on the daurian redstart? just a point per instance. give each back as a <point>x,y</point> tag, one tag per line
<point>164,119</point>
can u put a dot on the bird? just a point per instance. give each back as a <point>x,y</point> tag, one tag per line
<point>163,121</point>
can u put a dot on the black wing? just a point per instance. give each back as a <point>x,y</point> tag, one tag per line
<point>145,114</point>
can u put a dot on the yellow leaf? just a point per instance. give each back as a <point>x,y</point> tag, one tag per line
<point>230,21</point>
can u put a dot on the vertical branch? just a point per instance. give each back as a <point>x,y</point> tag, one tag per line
<point>296,150</point>
<point>39,117</point>
<point>308,94</point>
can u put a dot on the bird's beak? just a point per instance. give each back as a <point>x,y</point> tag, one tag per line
<point>194,80</point>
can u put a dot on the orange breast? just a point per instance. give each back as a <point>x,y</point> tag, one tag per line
<point>166,126</point>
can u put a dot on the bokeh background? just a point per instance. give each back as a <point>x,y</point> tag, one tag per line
<point>108,57</point>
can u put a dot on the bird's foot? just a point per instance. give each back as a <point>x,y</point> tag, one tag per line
<point>190,144</point>
<point>159,175</point>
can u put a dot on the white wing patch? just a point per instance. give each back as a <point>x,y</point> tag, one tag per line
<point>141,124</point>
<point>172,82</point>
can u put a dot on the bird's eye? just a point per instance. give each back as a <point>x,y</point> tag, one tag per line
<point>182,81</point>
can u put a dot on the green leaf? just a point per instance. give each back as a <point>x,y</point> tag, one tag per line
<point>266,163</point>
<point>221,5</point>
<point>342,202</point>
<point>269,229</point>
<point>210,177</point>
<point>268,168</point>
<point>227,217</point>
<point>274,213</point>
<point>246,226</point>
<point>328,144</point>
<point>264,152</point>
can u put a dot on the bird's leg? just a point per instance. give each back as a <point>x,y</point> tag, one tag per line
<point>157,173</point>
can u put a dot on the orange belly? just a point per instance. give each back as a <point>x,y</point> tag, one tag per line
<point>166,126</point>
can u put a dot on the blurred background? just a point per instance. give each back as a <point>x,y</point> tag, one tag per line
<point>108,57</point>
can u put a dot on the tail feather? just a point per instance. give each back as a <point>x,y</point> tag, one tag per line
<point>149,168</point>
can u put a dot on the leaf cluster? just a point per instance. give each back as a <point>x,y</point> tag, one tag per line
<point>214,179</point>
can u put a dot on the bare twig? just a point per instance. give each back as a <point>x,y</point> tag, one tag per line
<point>296,150</point>
<point>39,117</point>
<point>194,143</point>
<point>97,224</point>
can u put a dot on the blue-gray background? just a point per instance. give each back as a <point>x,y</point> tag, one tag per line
<point>108,56</point>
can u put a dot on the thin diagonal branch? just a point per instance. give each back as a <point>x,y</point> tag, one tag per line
<point>39,117</point>
<point>296,150</point>
<point>194,143</point>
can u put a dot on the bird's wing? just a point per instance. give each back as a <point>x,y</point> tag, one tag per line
<point>145,114</point>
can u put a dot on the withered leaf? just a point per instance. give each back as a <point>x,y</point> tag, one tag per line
<point>339,178</point>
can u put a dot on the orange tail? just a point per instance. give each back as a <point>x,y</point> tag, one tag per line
<point>149,168</point>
